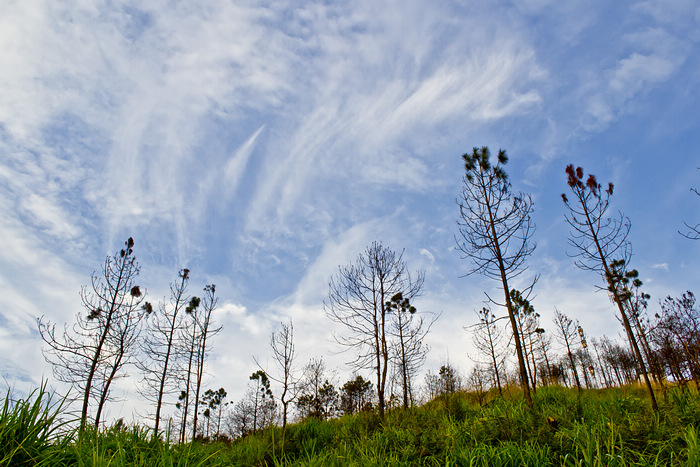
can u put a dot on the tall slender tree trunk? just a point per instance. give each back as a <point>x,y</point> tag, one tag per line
<point>166,362</point>
<point>493,358</point>
<point>187,388</point>
<point>621,308</point>
<point>98,351</point>
<point>511,315</point>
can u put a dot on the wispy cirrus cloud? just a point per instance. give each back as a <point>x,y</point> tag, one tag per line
<point>264,144</point>
<point>372,132</point>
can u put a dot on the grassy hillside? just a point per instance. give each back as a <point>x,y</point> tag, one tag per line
<point>611,427</point>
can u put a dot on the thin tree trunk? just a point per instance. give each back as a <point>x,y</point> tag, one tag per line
<point>98,351</point>
<point>164,375</point>
<point>509,306</point>
<point>493,358</point>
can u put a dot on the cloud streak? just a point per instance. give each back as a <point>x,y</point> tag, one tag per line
<point>264,144</point>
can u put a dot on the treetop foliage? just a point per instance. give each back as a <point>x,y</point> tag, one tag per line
<point>479,159</point>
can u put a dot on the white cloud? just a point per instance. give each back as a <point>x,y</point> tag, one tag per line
<point>674,12</point>
<point>428,254</point>
<point>232,313</point>
<point>235,167</point>
<point>356,129</point>
<point>655,56</point>
<point>50,215</point>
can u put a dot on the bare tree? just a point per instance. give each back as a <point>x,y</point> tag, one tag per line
<point>602,368</point>
<point>693,231</point>
<point>621,360</point>
<point>495,230</point>
<point>189,338</point>
<point>476,383</point>
<point>206,330</point>
<point>262,401</point>
<point>636,302</point>
<point>567,329</point>
<point>528,324</point>
<point>160,347</point>
<point>256,411</point>
<point>284,354</point>
<point>597,241</point>
<point>92,353</point>
<point>679,325</point>
<point>545,345</point>
<point>240,419</point>
<point>488,339</point>
<point>358,297</point>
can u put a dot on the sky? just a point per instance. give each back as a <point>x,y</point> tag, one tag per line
<point>261,144</point>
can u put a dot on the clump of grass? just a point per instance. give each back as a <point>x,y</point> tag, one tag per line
<point>30,430</point>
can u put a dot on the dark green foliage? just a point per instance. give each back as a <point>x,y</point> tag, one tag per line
<point>356,396</point>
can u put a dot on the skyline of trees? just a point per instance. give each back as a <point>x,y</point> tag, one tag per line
<point>668,343</point>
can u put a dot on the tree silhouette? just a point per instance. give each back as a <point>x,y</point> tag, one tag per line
<point>160,347</point>
<point>92,353</point>
<point>203,331</point>
<point>263,402</point>
<point>189,338</point>
<point>693,231</point>
<point>284,354</point>
<point>528,324</point>
<point>317,397</point>
<point>495,230</point>
<point>599,240</point>
<point>567,332</point>
<point>356,396</point>
<point>678,329</point>
<point>487,338</point>
<point>636,302</point>
<point>214,404</point>
<point>357,298</point>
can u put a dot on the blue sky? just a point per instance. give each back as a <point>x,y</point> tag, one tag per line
<point>262,144</point>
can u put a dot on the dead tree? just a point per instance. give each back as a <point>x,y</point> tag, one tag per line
<point>567,329</point>
<point>628,287</point>
<point>487,338</point>
<point>693,231</point>
<point>599,240</point>
<point>206,328</point>
<point>679,324</point>
<point>284,354</point>
<point>92,353</point>
<point>528,323</point>
<point>189,340</point>
<point>495,230</point>
<point>161,347</point>
<point>545,343</point>
<point>357,298</point>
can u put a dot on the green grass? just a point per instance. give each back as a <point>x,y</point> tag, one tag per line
<point>612,427</point>
<point>31,432</point>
